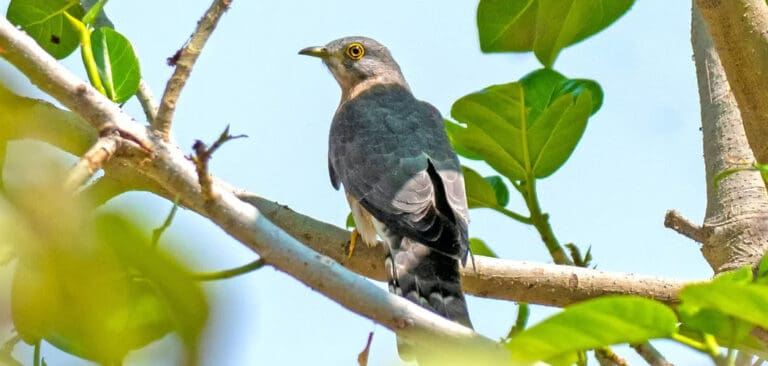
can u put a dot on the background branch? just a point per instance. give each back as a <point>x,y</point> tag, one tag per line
<point>184,60</point>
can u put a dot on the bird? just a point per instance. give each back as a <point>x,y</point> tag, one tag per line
<point>402,178</point>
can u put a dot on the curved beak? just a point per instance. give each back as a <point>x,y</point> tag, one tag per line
<point>321,52</point>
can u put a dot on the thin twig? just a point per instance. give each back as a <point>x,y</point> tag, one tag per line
<point>147,100</point>
<point>362,358</point>
<point>606,356</point>
<point>229,273</point>
<point>650,354</point>
<point>184,60</point>
<point>157,233</point>
<point>675,221</point>
<point>201,157</point>
<point>92,161</point>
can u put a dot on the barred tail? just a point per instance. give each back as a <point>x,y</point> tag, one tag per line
<point>428,278</point>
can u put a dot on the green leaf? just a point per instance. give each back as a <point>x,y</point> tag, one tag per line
<point>478,247</point>
<point>95,15</point>
<point>525,128</point>
<point>44,21</point>
<point>762,270</point>
<point>117,64</point>
<point>591,324</point>
<point>745,301</point>
<point>480,192</point>
<point>350,223</point>
<point>499,189</point>
<point>543,26</point>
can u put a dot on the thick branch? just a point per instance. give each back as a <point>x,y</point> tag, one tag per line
<point>55,80</point>
<point>536,283</point>
<point>736,221</point>
<point>184,60</point>
<point>738,30</point>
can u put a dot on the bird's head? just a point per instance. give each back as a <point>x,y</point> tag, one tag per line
<point>356,62</point>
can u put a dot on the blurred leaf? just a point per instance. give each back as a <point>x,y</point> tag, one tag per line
<point>543,26</point>
<point>521,321</point>
<point>117,64</point>
<point>181,296</point>
<point>594,323</point>
<point>478,247</point>
<point>95,15</point>
<point>94,288</point>
<point>44,21</point>
<point>730,332</point>
<point>745,301</point>
<point>6,353</point>
<point>761,275</point>
<point>350,223</point>
<point>741,275</point>
<point>526,127</point>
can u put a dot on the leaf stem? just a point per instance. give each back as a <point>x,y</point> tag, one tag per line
<point>157,233</point>
<point>540,221</point>
<point>523,311</point>
<point>707,346</point>
<point>36,355</point>
<point>86,51</point>
<point>229,273</point>
<point>513,215</point>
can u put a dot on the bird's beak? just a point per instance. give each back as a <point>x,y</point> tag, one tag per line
<point>321,52</point>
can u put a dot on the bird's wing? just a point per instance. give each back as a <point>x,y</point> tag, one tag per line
<point>391,153</point>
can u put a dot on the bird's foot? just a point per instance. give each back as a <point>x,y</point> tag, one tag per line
<point>352,241</point>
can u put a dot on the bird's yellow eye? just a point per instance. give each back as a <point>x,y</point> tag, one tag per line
<point>355,51</point>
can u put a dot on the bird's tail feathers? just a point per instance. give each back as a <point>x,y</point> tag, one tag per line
<point>428,278</point>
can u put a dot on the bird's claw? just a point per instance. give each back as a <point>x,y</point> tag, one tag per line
<point>352,241</point>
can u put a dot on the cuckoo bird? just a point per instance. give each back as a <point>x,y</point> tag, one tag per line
<point>400,174</point>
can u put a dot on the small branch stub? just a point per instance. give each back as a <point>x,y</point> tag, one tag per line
<point>201,157</point>
<point>92,161</point>
<point>675,221</point>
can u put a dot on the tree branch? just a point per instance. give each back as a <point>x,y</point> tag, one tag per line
<point>651,355</point>
<point>735,229</point>
<point>675,221</point>
<point>91,162</point>
<point>184,60</point>
<point>147,101</point>
<point>55,80</point>
<point>738,31</point>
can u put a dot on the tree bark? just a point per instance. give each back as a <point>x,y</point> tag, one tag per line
<point>739,32</point>
<point>735,229</point>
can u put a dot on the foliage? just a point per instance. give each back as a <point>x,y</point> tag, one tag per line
<point>59,26</point>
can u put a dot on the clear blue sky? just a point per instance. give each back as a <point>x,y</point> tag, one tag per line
<point>640,156</point>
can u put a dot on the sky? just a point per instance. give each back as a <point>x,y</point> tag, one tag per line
<point>640,156</point>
